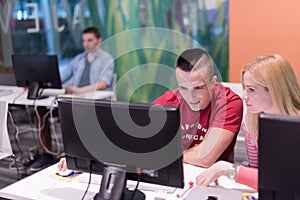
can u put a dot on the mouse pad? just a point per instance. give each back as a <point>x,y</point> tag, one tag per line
<point>213,193</point>
<point>68,178</point>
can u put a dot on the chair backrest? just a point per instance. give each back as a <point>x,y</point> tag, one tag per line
<point>5,146</point>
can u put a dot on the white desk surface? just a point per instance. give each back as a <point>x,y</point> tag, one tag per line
<point>18,96</point>
<point>42,186</point>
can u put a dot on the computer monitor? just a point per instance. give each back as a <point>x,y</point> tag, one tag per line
<point>279,153</point>
<point>36,72</point>
<point>143,139</point>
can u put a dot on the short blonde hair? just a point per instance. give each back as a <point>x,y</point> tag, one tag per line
<point>277,75</point>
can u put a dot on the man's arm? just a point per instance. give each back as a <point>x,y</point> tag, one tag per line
<point>67,72</point>
<point>89,88</point>
<point>209,150</point>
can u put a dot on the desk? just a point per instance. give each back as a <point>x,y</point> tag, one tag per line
<point>22,99</point>
<point>18,96</point>
<point>42,186</point>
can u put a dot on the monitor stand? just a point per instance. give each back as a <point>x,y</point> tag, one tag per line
<point>113,186</point>
<point>33,91</point>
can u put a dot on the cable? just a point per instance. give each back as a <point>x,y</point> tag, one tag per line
<point>15,99</point>
<point>41,92</point>
<point>52,126</point>
<point>139,172</point>
<point>18,161</point>
<point>41,126</point>
<point>18,172</point>
<point>17,131</point>
<point>33,129</point>
<point>26,130</point>
<point>90,177</point>
<point>52,121</point>
<point>14,164</point>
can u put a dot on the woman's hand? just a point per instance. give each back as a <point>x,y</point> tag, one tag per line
<point>212,173</point>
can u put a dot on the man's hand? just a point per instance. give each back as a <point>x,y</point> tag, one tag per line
<point>62,164</point>
<point>71,90</point>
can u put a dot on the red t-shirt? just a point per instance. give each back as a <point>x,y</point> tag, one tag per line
<point>225,111</point>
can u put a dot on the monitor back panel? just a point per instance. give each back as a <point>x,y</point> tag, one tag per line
<point>279,157</point>
<point>90,133</point>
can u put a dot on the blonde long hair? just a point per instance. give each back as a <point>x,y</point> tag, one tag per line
<point>277,75</point>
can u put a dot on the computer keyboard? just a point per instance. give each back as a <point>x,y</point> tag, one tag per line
<point>200,192</point>
<point>53,92</point>
<point>96,179</point>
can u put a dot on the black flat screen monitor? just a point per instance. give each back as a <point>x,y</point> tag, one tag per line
<point>279,157</point>
<point>36,72</point>
<point>143,139</point>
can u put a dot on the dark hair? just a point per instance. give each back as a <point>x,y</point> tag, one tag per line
<point>196,57</point>
<point>93,30</point>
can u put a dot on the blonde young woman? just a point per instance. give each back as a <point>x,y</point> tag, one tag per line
<point>269,86</point>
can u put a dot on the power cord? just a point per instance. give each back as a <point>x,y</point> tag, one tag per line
<point>90,178</point>
<point>15,99</point>
<point>16,164</point>
<point>41,124</point>
<point>139,172</point>
<point>16,129</point>
<point>19,162</point>
<point>52,127</point>
<point>33,129</point>
<point>18,171</point>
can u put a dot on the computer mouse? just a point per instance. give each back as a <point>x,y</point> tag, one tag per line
<point>67,172</point>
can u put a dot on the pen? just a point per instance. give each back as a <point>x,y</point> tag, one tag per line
<point>185,190</point>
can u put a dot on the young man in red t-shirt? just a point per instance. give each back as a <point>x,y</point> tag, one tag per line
<point>211,113</point>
